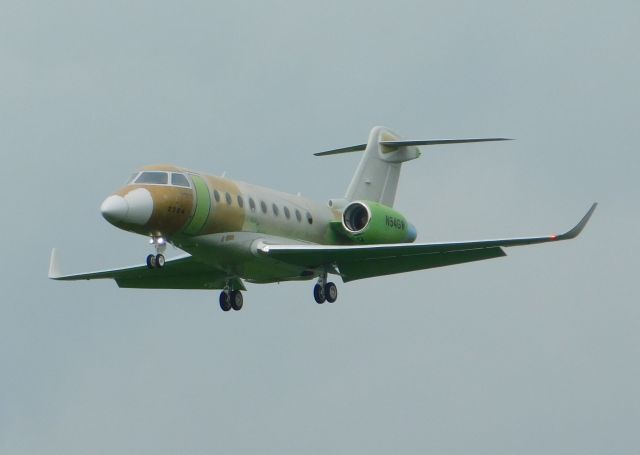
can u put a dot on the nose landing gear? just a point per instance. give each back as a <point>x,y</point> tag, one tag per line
<point>156,261</point>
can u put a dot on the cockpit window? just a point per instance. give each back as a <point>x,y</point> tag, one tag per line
<point>157,178</point>
<point>179,180</point>
<point>132,178</point>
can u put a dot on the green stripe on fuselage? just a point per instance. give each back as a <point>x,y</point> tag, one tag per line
<point>203,205</point>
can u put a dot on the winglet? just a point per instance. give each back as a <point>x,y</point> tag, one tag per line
<point>54,265</point>
<point>577,229</point>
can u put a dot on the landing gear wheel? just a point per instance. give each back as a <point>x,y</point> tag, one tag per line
<point>318,294</point>
<point>225,301</point>
<point>331,292</point>
<point>236,300</point>
<point>151,261</point>
<point>159,261</point>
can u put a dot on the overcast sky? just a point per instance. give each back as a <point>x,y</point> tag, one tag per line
<point>538,352</point>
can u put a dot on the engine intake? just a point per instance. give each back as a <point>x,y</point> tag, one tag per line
<point>356,217</point>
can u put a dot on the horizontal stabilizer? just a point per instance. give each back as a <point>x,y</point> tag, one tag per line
<point>441,141</point>
<point>353,148</point>
<point>397,144</point>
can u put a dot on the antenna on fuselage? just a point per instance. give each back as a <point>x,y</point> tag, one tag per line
<point>223,174</point>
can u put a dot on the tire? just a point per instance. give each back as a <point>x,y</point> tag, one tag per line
<point>236,300</point>
<point>151,261</point>
<point>160,261</point>
<point>225,301</point>
<point>318,294</point>
<point>331,292</point>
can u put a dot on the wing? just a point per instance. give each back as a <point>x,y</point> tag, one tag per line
<point>364,261</point>
<point>182,272</point>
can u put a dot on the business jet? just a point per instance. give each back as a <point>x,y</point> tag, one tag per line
<point>233,232</point>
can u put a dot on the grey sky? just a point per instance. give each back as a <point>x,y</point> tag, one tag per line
<point>534,353</point>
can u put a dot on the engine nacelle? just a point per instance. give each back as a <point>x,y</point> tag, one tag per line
<point>373,223</point>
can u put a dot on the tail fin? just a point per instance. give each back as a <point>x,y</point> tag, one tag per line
<point>376,178</point>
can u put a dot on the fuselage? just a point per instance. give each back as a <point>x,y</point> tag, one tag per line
<point>190,209</point>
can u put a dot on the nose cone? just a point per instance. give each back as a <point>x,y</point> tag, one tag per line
<point>412,233</point>
<point>114,209</point>
<point>135,208</point>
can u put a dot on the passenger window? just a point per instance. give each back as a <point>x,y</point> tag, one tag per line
<point>309,218</point>
<point>275,209</point>
<point>240,201</point>
<point>263,206</point>
<point>179,180</point>
<point>287,213</point>
<point>216,195</point>
<point>252,204</point>
<point>298,216</point>
<point>155,178</point>
<point>227,197</point>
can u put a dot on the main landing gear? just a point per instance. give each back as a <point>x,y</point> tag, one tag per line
<point>156,261</point>
<point>231,299</point>
<point>325,291</point>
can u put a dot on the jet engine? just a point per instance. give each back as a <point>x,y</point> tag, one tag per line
<point>370,222</point>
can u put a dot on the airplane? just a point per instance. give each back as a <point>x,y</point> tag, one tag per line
<point>233,232</point>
